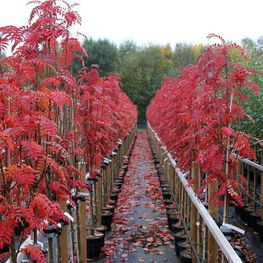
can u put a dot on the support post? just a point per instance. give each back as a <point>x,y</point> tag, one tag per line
<point>213,210</point>
<point>64,257</point>
<point>193,212</point>
<point>83,223</point>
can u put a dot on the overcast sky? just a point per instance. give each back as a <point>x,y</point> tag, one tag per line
<point>157,21</point>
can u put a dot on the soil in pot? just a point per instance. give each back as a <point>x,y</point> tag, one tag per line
<point>182,245</point>
<point>106,219</point>
<point>118,185</point>
<point>119,180</point>
<point>114,196</point>
<point>178,237</point>
<point>177,227</point>
<point>171,211</point>
<point>101,229</point>
<point>94,245</point>
<point>186,256</point>
<point>108,208</point>
<point>115,190</point>
<point>171,206</point>
<point>112,202</point>
<point>168,202</point>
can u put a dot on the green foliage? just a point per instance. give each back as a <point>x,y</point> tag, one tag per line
<point>254,106</point>
<point>101,52</point>
<point>141,69</point>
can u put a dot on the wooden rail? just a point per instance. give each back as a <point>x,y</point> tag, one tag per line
<point>199,224</point>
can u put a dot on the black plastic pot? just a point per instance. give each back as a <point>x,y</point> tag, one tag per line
<point>94,245</point>
<point>182,245</point>
<point>168,202</point>
<point>119,180</point>
<point>106,219</point>
<point>253,218</point>
<point>176,228</point>
<point>4,249</point>
<point>112,202</point>
<point>167,195</point>
<point>102,229</point>
<point>114,196</point>
<point>115,190</point>
<point>238,209</point>
<point>178,237</point>
<point>21,226</point>
<point>118,185</point>
<point>51,231</point>
<point>171,211</point>
<point>247,213</point>
<point>171,206</point>
<point>109,208</point>
<point>173,219</point>
<point>185,256</point>
<point>243,213</point>
<point>260,229</point>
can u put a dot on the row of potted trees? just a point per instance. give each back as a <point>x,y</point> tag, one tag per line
<point>175,224</point>
<point>95,242</point>
<point>51,122</point>
<point>194,115</point>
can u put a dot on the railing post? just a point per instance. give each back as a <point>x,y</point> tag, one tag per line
<point>194,214</point>
<point>64,238</point>
<point>82,222</point>
<point>99,200</point>
<point>213,210</point>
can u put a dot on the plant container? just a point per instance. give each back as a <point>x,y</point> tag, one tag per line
<point>106,219</point>
<point>186,256</point>
<point>114,197</point>
<point>178,237</point>
<point>94,245</point>
<point>108,208</point>
<point>183,245</point>
<point>253,218</point>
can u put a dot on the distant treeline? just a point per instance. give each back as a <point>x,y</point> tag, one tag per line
<point>142,69</point>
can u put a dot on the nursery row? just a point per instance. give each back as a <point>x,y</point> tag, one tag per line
<point>195,114</point>
<point>199,233</point>
<point>56,129</point>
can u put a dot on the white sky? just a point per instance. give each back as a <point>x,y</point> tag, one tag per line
<point>156,21</point>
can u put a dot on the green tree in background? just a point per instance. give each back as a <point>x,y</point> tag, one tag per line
<point>101,52</point>
<point>141,69</point>
<point>185,54</point>
<point>254,106</point>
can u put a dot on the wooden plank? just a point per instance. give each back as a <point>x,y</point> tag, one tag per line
<point>195,174</point>
<point>99,200</point>
<point>83,224</point>
<point>64,243</point>
<point>213,211</point>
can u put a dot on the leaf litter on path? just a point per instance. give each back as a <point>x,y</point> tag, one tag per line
<point>139,222</point>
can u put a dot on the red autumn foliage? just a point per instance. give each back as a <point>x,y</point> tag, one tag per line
<point>44,115</point>
<point>193,113</point>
